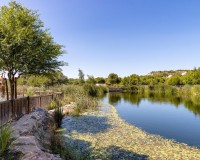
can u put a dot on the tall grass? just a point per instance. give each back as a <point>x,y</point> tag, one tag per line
<point>5,135</point>
<point>58,116</point>
<point>85,97</point>
<point>83,103</point>
<point>94,91</point>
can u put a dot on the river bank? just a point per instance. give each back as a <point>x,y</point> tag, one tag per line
<point>103,134</point>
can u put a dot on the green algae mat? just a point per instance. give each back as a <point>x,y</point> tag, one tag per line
<point>104,135</point>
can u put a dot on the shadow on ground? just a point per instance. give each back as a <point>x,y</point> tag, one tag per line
<point>117,153</point>
<point>81,149</point>
<point>86,124</point>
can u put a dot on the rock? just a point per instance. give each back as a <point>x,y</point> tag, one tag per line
<point>40,156</point>
<point>25,144</point>
<point>26,135</point>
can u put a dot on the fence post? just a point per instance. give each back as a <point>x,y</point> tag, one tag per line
<point>40,101</point>
<point>1,115</point>
<point>52,96</point>
<point>28,104</point>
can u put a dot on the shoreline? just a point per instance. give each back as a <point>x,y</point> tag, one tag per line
<point>103,134</point>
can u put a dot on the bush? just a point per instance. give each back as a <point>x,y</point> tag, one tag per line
<point>102,90</point>
<point>94,91</point>
<point>90,90</point>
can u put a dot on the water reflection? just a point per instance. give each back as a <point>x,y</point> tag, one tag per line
<point>171,116</point>
<point>191,103</point>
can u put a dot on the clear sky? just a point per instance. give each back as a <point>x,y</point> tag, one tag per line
<point>123,36</point>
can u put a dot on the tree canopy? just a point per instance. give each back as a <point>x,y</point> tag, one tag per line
<point>25,46</point>
<point>113,78</point>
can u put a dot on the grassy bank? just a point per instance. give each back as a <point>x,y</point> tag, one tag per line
<point>104,135</point>
<point>182,90</point>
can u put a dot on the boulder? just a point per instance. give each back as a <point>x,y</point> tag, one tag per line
<point>26,136</point>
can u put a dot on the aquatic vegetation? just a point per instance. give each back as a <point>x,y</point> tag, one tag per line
<point>103,134</point>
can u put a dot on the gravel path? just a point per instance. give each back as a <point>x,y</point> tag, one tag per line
<point>104,135</point>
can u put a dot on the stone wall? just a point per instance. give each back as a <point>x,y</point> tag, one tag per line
<point>29,134</point>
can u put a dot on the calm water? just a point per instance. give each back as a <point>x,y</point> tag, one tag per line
<point>171,117</point>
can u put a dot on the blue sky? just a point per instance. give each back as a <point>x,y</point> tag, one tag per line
<point>123,36</point>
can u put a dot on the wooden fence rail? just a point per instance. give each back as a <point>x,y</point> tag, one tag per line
<point>24,105</point>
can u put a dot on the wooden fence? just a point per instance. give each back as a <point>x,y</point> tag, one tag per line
<point>24,105</point>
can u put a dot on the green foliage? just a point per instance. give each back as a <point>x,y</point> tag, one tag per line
<point>77,94</point>
<point>81,76</point>
<point>174,80</point>
<point>36,81</point>
<point>102,90</point>
<point>90,90</point>
<point>94,91</point>
<point>53,78</point>
<point>5,135</point>
<point>192,77</point>
<point>83,103</point>
<point>56,145</point>
<point>52,105</point>
<point>130,80</point>
<point>73,81</point>
<point>91,80</point>
<point>25,46</point>
<point>30,91</point>
<point>55,103</point>
<point>195,91</point>
<point>113,79</point>
<point>100,80</point>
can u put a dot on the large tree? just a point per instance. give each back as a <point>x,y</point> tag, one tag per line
<point>25,46</point>
<point>113,78</point>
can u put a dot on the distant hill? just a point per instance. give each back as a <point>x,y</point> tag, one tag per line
<point>168,73</point>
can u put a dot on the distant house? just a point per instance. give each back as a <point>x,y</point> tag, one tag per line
<point>169,76</point>
<point>98,84</point>
<point>184,73</point>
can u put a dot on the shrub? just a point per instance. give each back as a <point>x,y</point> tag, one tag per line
<point>90,90</point>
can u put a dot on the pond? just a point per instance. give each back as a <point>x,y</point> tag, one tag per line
<point>172,117</point>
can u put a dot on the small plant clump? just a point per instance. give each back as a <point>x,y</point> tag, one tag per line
<point>5,135</point>
<point>58,116</point>
<point>55,103</point>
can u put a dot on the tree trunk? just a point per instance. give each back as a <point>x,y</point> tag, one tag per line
<point>15,89</point>
<point>12,88</point>
<point>12,91</point>
<point>6,85</point>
